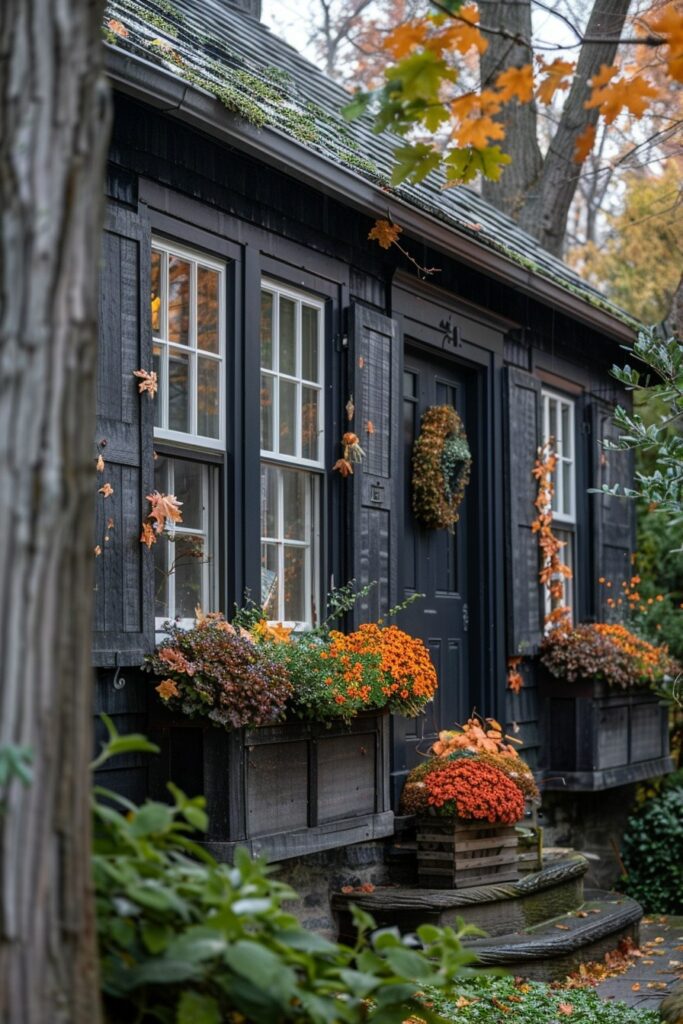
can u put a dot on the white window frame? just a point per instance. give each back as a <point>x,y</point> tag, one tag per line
<point>565,453</point>
<point>313,468</point>
<point>208,530</point>
<point>194,257</point>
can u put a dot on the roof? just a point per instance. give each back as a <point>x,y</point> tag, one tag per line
<point>257,75</point>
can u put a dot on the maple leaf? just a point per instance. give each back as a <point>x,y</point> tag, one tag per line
<point>118,28</point>
<point>557,76</point>
<point>634,94</point>
<point>405,38</point>
<point>148,382</point>
<point>384,233</point>
<point>164,506</point>
<point>604,75</point>
<point>148,536</point>
<point>478,132</point>
<point>668,23</point>
<point>414,162</point>
<point>584,143</point>
<point>99,465</point>
<point>566,1009</point>
<point>344,467</point>
<point>516,82</point>
<point>461,32</point>
<point>462,165</point>
<point>106,489</point>
<point>420,76</point>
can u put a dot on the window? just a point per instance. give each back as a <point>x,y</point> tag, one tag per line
<point>292,354</point>
<point>558,427</point>
<point>188,332</point>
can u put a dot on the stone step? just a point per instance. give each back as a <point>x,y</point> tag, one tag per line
<point>498,909</point>
<point>556,947</point>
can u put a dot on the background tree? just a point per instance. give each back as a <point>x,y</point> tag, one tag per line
<point>53,136</point>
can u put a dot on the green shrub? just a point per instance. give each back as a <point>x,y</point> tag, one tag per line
<point>652,853</point>
<point>185,940</point>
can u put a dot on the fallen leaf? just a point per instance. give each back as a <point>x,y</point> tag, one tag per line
<point>563,927</point>
<point>370,427</point>
<point>99,465</point>
<point>462,1002</point>
<point>106,489</point>
<point>566,1009</point>
<point>582,913</point>
<point>659,985</point>
<point>659,939</point>
<point>346,889</point>
<point>118,28</point>
<point>635,987</point>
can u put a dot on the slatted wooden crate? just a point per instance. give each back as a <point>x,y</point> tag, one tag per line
<point>455,854</point>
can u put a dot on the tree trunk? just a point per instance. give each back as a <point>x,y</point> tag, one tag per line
<point>521,142</point>
<point>54,119</point>
<point>546,207</point>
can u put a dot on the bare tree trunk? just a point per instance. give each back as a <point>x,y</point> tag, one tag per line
<point>54,119</point>
<point>521,142</point>
<point>546,208</point>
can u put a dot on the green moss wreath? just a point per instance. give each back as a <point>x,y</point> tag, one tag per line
<point>441,468</point>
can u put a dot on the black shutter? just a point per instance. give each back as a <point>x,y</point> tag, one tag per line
<point>612,518</point>
<point>524,425</point>
<point>124,574</point>
<point>376,358</point>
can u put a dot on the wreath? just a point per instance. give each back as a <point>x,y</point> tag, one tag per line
<point>441,468</point>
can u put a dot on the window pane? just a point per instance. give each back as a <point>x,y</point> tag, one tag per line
<point>178,300</point>
<point>295,584</point>
<point>566,470</point>
<point>567,440</point>
<point>189,480</point>
<point>409,383</point>
<point>161,474</point>
<point>552,420</point>
<point>267,330</point>
<point>188,572</point>
<point>287,423</point>
<point>287,336</point>
<point>207,397</point>
<point>267,391</point>
<point>161,609</point>
<point>309,343</point>
<point>156,366</point>
<point>269,581</point>
<point>309,423</point>
<point>207,310</point>
<point>156,291</point>
<point>178,391</point>
<point>295,491</point>
<point>269,512</point>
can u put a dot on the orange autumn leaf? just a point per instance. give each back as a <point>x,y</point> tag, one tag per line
<point>344,467</point>
<point>384,233</point>
<point>164,506</point>
<point>461,34</point>
<point>557,77</point>
<point>516,83</point>
<point>405,38</point>
<point>566,1009</point>
<point>148,536</point>
<point>106,489</point>
<point>478,132</point>
<point>148,382</point>
<point>99,465</point>
<point>604,75</point>
<point>370,427</point>
<point>634,94</point>
<point>118,28</point>
<point>668,23</point>
<point>97,551</point>
<point>635,987</point>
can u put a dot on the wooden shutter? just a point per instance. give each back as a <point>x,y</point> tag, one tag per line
<point>124,573</point>
<point>612,519</point>
<point>376,359</point>
<point>524,425</point>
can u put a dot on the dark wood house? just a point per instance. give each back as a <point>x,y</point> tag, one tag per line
<point>240,202</point>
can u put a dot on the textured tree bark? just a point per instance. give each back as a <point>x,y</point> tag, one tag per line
<point>537,191</point>
<point>54,120</point>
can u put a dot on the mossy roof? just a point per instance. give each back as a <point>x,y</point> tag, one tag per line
<point>270,84</point>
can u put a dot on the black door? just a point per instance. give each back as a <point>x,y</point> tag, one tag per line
<point>433,563</point>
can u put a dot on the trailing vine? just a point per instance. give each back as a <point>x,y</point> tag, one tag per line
<point>441,468</point>
<point>554,572</point>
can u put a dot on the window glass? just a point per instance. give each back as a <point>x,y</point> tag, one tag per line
<point>558,427</point>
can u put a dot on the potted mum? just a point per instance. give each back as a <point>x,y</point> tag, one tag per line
<point>604,724</point>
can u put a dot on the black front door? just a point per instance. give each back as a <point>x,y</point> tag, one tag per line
<point>433,563</point>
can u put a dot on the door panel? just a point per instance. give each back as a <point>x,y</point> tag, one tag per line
<point>433,563</point>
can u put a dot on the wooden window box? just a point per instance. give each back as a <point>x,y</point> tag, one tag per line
<point>455,854</point>
<point>597,738</point>
<point>284,790</point>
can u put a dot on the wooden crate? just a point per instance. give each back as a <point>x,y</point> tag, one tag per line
<point>455,854</point>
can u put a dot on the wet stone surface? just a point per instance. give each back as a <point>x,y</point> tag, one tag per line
<point>653,973</point>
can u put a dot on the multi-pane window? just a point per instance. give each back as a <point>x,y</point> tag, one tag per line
<point>558,428</point>
<point>188,336</point>
<point>292,354</point>
<point>188,330</point>
<point>183,555</point>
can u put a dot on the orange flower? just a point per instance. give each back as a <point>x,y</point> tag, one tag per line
<point>167,689</point>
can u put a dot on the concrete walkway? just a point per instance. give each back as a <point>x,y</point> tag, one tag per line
<point>652,975</point>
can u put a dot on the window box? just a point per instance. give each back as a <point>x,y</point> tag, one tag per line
<point>456,854</point>
<point>283,790</point>
<point>597,738</point>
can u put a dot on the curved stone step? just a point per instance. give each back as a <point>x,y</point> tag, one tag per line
<point>497,909</point>
<point>557,947</point>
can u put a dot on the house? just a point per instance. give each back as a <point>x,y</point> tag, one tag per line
<point>239,203</point>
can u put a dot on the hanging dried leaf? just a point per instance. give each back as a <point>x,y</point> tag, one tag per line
<point>147,382</point>
<point>164,506</point>
<point>384,233</point>
<point>148,536</point>
<point>99,465</point>
<point>106,489</point>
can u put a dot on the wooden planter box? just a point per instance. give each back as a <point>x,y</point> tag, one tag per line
<point>283,790</point>
<point>597,738</point>
<point>455,854</point>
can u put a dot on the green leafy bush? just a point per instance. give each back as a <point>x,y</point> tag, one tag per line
<point>652,853</point>
<point>185,940</point>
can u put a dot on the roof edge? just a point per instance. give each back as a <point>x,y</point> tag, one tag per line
<point>161,89</point>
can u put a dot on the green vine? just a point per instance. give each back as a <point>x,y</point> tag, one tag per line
<point>441,468</point>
